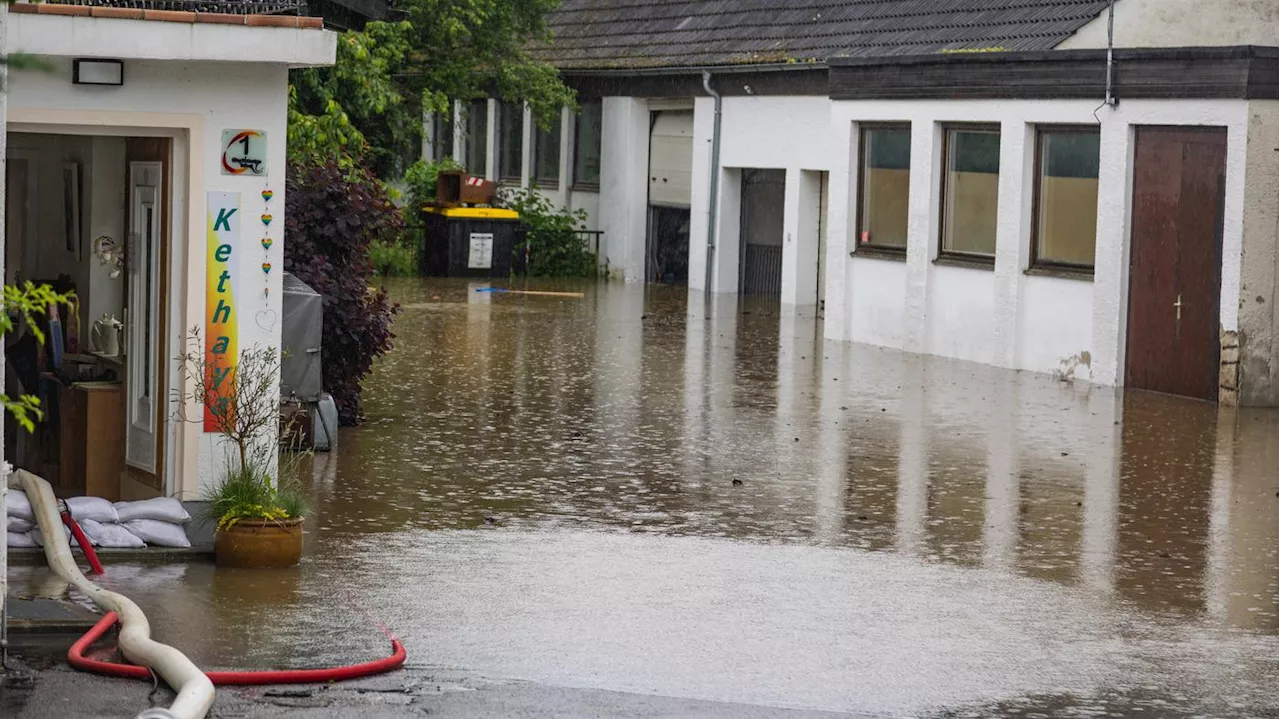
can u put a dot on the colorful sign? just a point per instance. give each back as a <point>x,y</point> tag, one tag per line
<point>244,152</point>
<point>221,316</point>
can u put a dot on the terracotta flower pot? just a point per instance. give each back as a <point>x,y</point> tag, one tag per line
<point>259,544</point>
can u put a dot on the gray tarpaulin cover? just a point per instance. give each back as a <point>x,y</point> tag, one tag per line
<point>300,339</point>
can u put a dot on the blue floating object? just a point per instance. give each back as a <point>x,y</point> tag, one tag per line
<point>491,289</point>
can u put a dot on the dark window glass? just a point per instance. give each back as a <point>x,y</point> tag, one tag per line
<point>477,137</point>
<point>1066,197</point>
<point>886,187</point>
<point>586,150</point>
<point>970,192</point>
<point>442,135</point>
<point>546,155</point>
<point>510,140</point>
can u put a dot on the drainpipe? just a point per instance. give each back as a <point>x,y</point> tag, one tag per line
<point>1111,33</point>
<point>712,199</point>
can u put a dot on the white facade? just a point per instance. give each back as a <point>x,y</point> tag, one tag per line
<point>185,82</point>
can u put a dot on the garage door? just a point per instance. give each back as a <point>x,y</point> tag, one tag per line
<point>671,158</point>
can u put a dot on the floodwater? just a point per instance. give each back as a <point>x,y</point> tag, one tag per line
<point>629,491</point>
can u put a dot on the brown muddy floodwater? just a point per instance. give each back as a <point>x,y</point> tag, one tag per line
<point>621,492</point>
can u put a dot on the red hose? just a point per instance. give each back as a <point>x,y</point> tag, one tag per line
<point>77,659</point>
<point>83,541</point>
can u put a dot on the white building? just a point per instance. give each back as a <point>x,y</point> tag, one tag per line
<point>986,183</point>
<point>164,133</point>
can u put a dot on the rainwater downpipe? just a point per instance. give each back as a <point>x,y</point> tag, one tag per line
<point>1110,99</point>
<point>712,198</point>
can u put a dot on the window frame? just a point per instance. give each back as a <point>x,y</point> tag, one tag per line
<point>871,249</point>
<point>952,257</point>
<point>1036,264</point>
<point>502,143</point>
<point>575,183</point>
<point>535,178</point>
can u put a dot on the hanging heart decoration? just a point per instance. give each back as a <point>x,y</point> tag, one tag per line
<point>266,220</point>
<point>266,319</point>
<point>266,268</point>
<point>266,243</point>
<point>267,195</point>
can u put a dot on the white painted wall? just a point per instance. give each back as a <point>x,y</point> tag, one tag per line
<point>1182,23</point>
<point>65,36</point>
<point>1257,320</point>
<point>105,198</point>
<point>787,133</point>
<point>211,97</point>
<point>624,162</point>
<point>1002,316</point>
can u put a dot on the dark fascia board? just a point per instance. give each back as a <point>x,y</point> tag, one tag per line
<point>1243,72</point>
<point>729,81</point>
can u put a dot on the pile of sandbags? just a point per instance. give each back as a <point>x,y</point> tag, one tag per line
<point>132,525</point>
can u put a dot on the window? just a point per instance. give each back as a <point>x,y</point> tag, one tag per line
<point>970,188</point>
<point>885,179</point>
<point>546,156</point>
<point>586,145</point>
<point>442,135</point>
<point>510,140</point>
<point>1066,197</point>
<point>477,154</point>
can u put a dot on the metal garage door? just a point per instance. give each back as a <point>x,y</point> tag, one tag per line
<point>671,158</point>
<point>763,196</point>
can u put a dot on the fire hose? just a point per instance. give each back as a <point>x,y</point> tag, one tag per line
<point>150,658</point>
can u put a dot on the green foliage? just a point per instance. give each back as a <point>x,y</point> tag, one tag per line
<point>393,259</point>
<point>555,249</point>
<point>249,492</point>
<point>30,302</point>
<point>420,179</point>
<point>356,110</point>
<point>368,107</point>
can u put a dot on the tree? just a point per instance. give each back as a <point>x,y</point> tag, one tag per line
<point>331,217</point>
<point>369,106</point>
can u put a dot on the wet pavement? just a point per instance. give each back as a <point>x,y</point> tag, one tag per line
<point>633,495</point>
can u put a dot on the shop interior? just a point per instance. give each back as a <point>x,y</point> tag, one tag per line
<point>88,215</point>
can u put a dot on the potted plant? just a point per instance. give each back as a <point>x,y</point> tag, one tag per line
<point>257,510</point>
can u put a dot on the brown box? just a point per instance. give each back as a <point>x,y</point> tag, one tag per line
<point>455,187</point>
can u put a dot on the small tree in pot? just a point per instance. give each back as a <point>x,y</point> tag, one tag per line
<point>258,514</point>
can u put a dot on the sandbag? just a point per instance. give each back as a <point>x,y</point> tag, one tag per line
<point>158,533</point>
<point>163,509</point>
<point>39,537</point>
<point>19,525</point>
<point>17,505</point>
<point>19,539</point>
<point>95,508</point>
<point>113,536</point>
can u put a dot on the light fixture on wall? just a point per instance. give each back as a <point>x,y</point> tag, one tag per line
<point>85,71</point>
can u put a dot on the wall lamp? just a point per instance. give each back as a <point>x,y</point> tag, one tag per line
<point>97,72</point>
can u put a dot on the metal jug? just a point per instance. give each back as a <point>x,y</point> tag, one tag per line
<point>105,335</point>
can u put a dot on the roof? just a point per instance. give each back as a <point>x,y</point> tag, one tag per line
<point>258,13</point>
<point>618,34</point>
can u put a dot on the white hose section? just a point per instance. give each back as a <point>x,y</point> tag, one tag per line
<point>195,691</point>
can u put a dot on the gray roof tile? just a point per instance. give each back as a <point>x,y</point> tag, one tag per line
<point>600,34</point>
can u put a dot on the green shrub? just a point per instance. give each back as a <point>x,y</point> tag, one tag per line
<point>420,184</point>
<point>393,259</point>
<point>249,493</point>
<point>555,248</point>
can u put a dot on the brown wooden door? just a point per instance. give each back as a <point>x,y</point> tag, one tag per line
<point>1175,261</point>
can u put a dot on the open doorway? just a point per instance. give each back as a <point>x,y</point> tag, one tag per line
<point>91,218</point>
